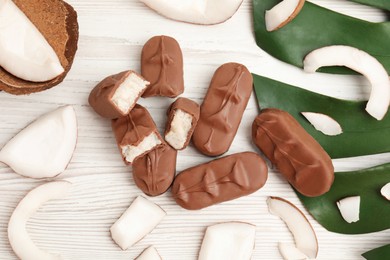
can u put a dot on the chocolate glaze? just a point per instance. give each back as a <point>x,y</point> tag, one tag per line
<point>153,173</point>
<point>222,109</point>
<point>302,161</point>
<point>133,128</point>
<point>220,180</point>
<point>100,96</point>
<point>162,66</point>
<point>188,106</point>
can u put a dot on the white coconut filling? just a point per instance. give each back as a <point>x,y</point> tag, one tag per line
<point>128,92</point>
<point>149,254</point>
<point>180,127</point>
<point>231,240</point>
<point>195,11</point>
<point>130,152</point>
<point>280,14</point>
<point>24,52</point>
<point>350,208</point>
<point>136,222</point>
<point>18,237</point>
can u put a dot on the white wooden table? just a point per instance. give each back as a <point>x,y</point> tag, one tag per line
<point>112,33</point>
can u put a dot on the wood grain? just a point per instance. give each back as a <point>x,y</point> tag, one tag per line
<point>112,33</point>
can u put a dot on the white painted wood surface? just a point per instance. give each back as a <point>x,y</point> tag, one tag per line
<point>112,33</point>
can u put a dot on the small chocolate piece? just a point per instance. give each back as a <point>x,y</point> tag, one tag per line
<point>220,180</point>
<point>57,21</point>
<point>183,116</point>
<point>162,65</point>
<point>153,173</point>
<point>222,109</point>
<point>117,94</point>
<point>136,134</point>
<point>296,154</point>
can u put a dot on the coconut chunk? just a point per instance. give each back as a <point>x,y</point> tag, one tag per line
<point>231,240</point>
<point>45,147</point>
<point>128,92</point>
<point>24,51</point>
<point>385,191</point>
<point>361,62</point>
<point>149,254</point>
<point>130,152</point>
<point>136,222</point>
<point>195,11</point>
<point>323,123</point>
<point>304,235</point>
<point>290,252</point>
<point>282,13</point>
<point>180,127</point>
<point>350,208</point>
<point>19,239</point>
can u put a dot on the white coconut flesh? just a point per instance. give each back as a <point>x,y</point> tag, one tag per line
<point>303,233</point>
<point>24,51</point>
<point>195,11</point>
<point>231,240</point>
<point>282,13</point>
<point>361,62</point>
<point>128,92</point>
<point>385,191</point>
<point>131,152</point>
<point>323,123</point>
<point>18,237</point>
<point>45,147</point>
<point>181,125</point>
<point>290,252</point>
<point>350,208</point>
<point>149,254</point>
<point>136,222</point>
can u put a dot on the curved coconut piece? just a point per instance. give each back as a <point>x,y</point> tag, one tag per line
<point>204,12</point>
<point>282,13</point>
<point>362,62</point>
<point>290,252</point>
<point>385,191</point>
<point>323,123</point>
<point>149,253</point>
<point>304,235</point>
<point>35,61</point>
<point>18,237</point>
<point>45,147</point>
<point>350,208</point>
<point>231,240</point>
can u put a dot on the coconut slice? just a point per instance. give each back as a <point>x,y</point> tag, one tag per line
<point>45,147</point>
<point>282,13</point>
<point>24,52</point>
<point>149,254</point>
<point>195,11</point>
<point>18,237</point>
<point>231,240</point>
<point>290,252</point>
<point>138,220</point>
<point>323,123</point>
<point>361,62</point>
<point>304,235</point>
<point>385,191</point>
<point>350,208</point>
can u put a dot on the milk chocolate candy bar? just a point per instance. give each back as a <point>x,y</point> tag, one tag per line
<point>153,173</point>
<point>222,109</point>
<point>136,134</point>
<point>183,116</point>
<point>220,180</point>
<point>162,65</point>
<point>302,161</point>
<point>116,95</point>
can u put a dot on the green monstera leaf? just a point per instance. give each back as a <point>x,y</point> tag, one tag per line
<point>316,27</point>
<point>380,253</point>
<point>362,134</point>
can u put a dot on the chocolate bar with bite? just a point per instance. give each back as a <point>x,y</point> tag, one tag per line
<point>183,116</point>
<point>136,134</point>
<point>117,94</point>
